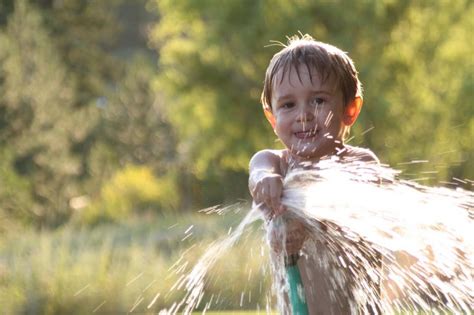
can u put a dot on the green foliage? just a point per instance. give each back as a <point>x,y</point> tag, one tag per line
<point>37,120</point>
<point>71,113</point>
<point>85,33</point>
<point>210,97</point>
<point>132,190</point>
<point>14,193</point>
<point>132,119</point>
<point>427,97</point>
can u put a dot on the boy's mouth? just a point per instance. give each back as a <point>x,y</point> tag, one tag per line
<point>305,134</point>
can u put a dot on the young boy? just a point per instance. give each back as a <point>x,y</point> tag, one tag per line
<point>311,97</point>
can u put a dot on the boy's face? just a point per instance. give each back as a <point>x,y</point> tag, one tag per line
<point>309,114</point>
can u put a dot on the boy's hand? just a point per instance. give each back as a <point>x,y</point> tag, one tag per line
<point>267,191</point>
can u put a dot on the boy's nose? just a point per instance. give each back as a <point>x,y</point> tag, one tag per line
<point>306,114</point>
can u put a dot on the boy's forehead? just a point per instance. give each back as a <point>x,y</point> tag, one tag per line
<point>291,76</point>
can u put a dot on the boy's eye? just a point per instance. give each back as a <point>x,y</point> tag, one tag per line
<point>288,105</point>
<point>317,101</point>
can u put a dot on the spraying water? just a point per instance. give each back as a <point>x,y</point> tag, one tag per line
<point>384,245</point>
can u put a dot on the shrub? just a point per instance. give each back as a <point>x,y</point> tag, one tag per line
<point>133,190</point>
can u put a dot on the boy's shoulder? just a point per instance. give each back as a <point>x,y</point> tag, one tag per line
<point>269,155</point>
<point>268,158</point>
<point>360,154</point>
<point>271,152</point>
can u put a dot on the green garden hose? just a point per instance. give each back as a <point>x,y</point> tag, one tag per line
<point>297,295</point>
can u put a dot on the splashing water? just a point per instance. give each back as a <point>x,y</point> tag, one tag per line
<point>384,245</point>
<point>194,282</point>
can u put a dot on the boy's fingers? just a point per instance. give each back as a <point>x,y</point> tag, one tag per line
<point>276,199</point>
<point>267,212</point>
<point>280,209</point>
<point>275,205</point>
<point>267,203</point>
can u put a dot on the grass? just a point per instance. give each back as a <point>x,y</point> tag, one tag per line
<point>121,268</point>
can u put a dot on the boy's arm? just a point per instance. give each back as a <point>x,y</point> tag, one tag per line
<point>265,180</point>
<point>266,187</point>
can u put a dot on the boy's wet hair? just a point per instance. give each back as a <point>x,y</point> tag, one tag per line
<point>327,60</point>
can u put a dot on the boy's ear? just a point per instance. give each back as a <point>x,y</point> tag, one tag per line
<point>352,110</point>
<point>270,117</point>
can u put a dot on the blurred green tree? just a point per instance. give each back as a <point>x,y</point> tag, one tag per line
<point>36,105</point>
<point>423,92</point>
<point>132,120</point>
<point>72,111</point>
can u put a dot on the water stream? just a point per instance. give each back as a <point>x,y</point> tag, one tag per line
<point>384,245</point>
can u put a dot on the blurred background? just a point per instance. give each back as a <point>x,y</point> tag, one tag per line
<point>120,119</point>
